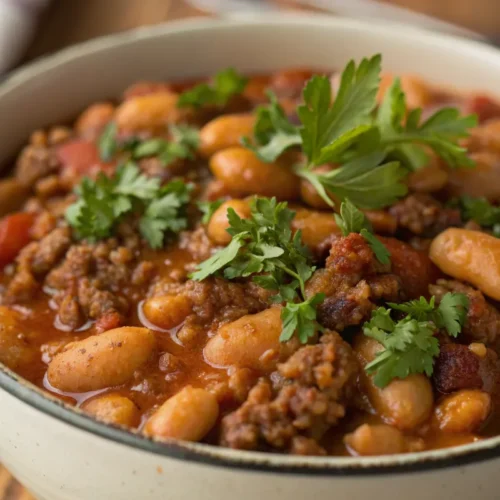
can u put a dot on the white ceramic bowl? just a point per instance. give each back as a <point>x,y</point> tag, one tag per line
<point>61,454</point>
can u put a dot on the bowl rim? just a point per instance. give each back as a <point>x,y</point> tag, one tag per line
<point>28,393</point>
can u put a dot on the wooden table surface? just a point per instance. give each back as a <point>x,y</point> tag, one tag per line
<point>71,21</point>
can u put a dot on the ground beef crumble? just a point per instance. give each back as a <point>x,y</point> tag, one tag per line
<point>33,262</point>
<point>197,243</point>
<point>423,215</point>
<point>34,163</point>
<point>214,301</point>
<point>353,281</point>
<point>314,388</point>
<point>87,280</point>
<point>91,281</point>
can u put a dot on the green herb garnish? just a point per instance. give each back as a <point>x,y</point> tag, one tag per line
<point>184,144</point>
<point>107,144</point>
<point>166,213</point>
<point>481,211</point>
<point>402,134</point>
<point>225,85</point>
<point>185,141</point>
<point>273,133</point>
<point>352,220</point>
<point>375,149</point>
<point>263,247</point>
<point>330,129</point>
<point>366,182</point>
<point>103,203</point>
<point>208,208</point>
<point>410,344</point>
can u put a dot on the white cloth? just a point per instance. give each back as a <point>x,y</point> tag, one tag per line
<point>17,25</point>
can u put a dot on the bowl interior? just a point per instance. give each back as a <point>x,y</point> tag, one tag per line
<point>56,88</point>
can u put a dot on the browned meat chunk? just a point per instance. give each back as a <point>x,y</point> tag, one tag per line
<point>214,301</point>
<point>423,215</point>
<point>353,281</point>
<point>459,367</point>
<point>197,243</point>
<point>34,163</point>
<point>34,261</point>
<point>49,250</point>
<point>411,266</point>
<point>316,385</point>
<point>90,281</point>
<point>456,367</point>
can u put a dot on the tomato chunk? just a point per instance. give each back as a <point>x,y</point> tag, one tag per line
<point>14,235</point>
<point>81,158</point>
<point>79,155</point>
<point>485,107</point>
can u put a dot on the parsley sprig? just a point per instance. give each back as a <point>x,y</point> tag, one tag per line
<point>402,134</point>
<point>109,145</point>
<point>208,208</point>
<point>329,129</point>
<point>272,133</point>
<point>103,203</point>
<point>166,213</point>
<point>375,149</point>
<point>410,344</point>
<point>263,247</point>
<point>184,142</point>
<point>352,220</point>
<point>225,85</point>
<point>481,211</point>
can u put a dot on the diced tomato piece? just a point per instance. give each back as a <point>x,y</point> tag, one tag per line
<point>79,155</point>
<point>485,107</point>
<point>14,235</point>
<point>81,158</point>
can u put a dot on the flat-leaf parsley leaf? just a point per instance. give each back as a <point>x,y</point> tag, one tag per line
<point>225,85</point>
<point>373,150</point>
<point>273,133</point>
<point>352,220</point>
<point>410,344</point>
<point>103,203</point>
<point>263,247</point>
<point>185,140</point>
<point>403,134</point>
<point>481,211</point>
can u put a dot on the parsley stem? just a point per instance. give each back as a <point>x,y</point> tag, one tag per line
<point>299,279</point>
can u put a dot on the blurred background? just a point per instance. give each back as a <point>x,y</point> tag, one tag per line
<point>32,28</point>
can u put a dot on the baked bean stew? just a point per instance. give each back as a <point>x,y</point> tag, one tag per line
<point>295,262</point>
